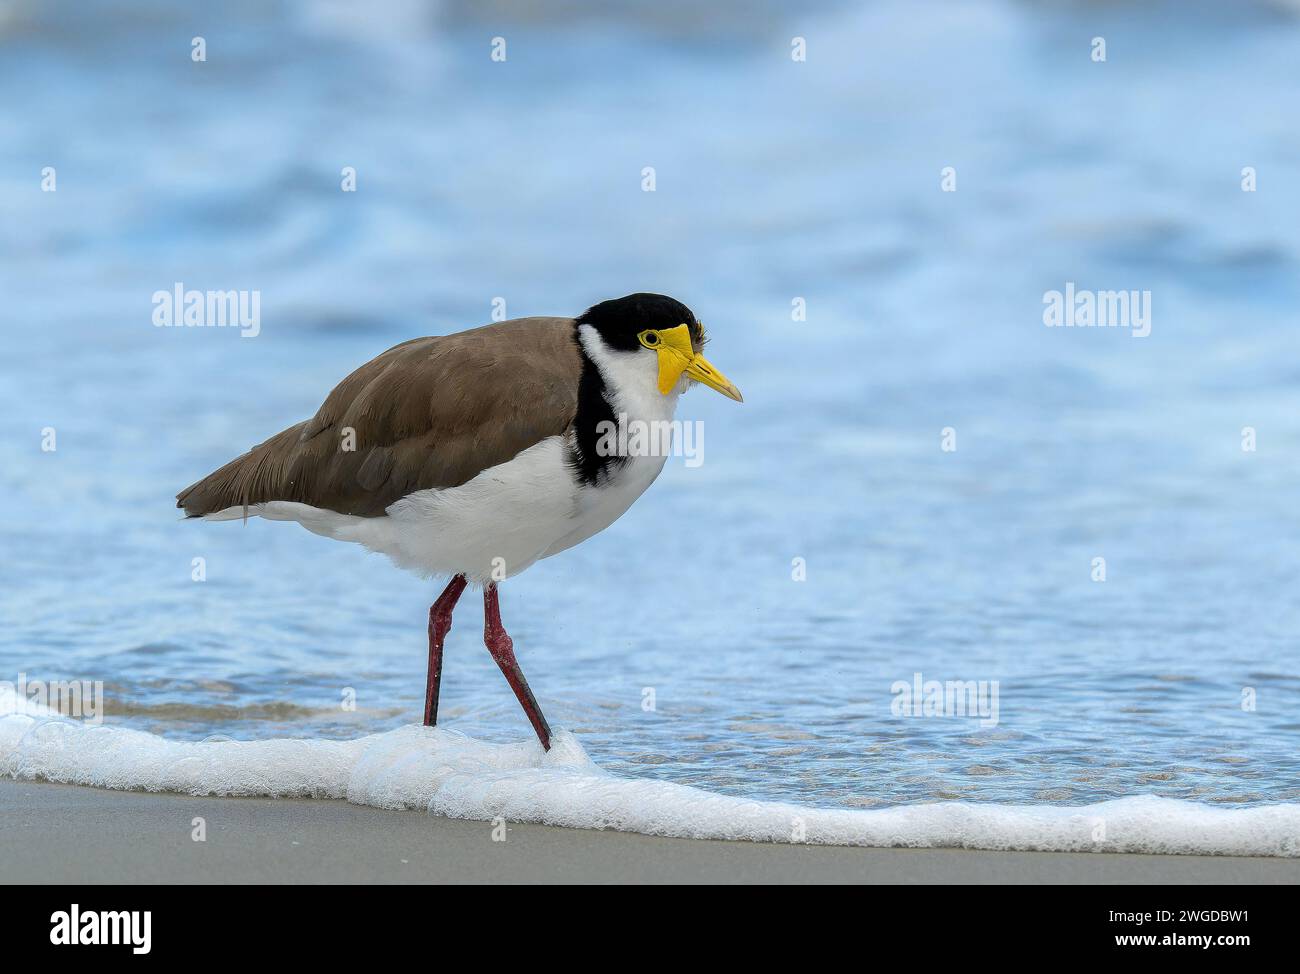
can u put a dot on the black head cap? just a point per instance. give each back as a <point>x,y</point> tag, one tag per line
<point>620,320</point>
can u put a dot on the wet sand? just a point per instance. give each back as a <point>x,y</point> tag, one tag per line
<point>53,833</point>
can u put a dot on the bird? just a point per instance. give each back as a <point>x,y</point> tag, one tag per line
<point>474,455</point>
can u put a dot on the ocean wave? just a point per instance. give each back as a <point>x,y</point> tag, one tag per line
<point>447,773</point>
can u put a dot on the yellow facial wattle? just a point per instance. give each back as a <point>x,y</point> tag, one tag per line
<point>677,356</point>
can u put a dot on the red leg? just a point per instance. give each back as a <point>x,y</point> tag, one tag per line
<point>502,648</point>
<point>439,625</point>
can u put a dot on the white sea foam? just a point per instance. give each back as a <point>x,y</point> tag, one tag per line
<point>450,774</point>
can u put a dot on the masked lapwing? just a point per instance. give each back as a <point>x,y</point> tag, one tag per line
<point>474,455</point>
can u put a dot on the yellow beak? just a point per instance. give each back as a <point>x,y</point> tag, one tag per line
<point>677,355</point>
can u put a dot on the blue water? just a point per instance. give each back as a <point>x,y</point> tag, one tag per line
<point>775,180</point>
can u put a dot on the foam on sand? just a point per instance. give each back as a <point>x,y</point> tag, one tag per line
<point>450,774</point>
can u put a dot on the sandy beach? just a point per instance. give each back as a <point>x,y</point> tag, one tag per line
<point>51,833</point>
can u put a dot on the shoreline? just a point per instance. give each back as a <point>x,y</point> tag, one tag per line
<point>57,833</point>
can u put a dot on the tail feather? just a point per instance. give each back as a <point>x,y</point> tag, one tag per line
<point>264,473</point>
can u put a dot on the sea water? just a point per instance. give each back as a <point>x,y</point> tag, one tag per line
<point>925,483</point>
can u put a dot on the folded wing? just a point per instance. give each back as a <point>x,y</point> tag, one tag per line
<point>429,413</point>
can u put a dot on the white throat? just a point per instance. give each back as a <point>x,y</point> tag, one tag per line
<point>631,379</point>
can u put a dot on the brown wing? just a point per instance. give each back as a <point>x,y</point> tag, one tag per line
<point>431,412</point>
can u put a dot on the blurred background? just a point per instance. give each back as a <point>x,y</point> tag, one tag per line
<point>775,180</point>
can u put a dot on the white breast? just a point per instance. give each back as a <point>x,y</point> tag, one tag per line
<point>631,386</point>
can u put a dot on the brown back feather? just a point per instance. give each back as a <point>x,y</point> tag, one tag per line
<point>429,413</point>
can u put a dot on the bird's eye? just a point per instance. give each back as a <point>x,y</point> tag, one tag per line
<point>649,339</point>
